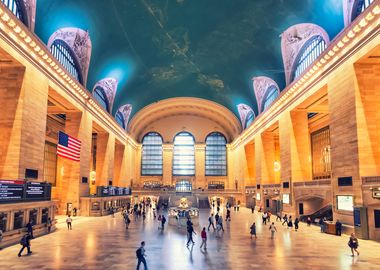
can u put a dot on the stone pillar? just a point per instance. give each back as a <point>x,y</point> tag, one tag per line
<point>23,101</point>
<point>167,152</point>
<point>105,154</point>
<point>200,159</point>
<point>342,95</point>
<point>69,187</point>
<point>295,148</point>
<point>120,167</point>
<point>265,153</point>
<point>251,162</point>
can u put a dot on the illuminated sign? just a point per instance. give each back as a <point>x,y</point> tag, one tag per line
<point>258,196</point>
<point>345,202</point>
<point>286,198</point>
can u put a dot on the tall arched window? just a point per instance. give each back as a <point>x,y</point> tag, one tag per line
<point>358,7</point>
<point>18,9</point>
<point>120,119</point>
<point>101,97</point>
<point>63,53</point>
<point>216,156</point>
<point>308,54</point>
<point>184,156</point>
<point>270,96</point>
<point>151,158</point>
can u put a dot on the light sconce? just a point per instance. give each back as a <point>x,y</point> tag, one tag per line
<point>276,166</point>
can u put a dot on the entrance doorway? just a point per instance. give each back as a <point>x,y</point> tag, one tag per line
<point>300,208</point>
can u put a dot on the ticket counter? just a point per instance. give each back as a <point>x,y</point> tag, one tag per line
<point>100,206</point>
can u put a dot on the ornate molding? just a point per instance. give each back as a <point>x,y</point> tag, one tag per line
<point>126,111</point>
<point>261,85</point>
<point>79,41</point>
<point>244,112</point>
<point>109,86</point>
<point>293,40</point>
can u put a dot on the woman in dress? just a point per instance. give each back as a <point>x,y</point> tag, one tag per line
<point>353,243</point>
<point>253,230</point>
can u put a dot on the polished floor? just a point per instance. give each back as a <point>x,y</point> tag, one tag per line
<point>103,243</point>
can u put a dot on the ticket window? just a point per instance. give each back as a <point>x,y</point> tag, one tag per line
<point>18,221</point>
<point>33,216</point>
<point>45,215</point>
<point>3,221</point>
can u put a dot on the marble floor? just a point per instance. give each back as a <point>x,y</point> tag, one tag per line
<point>104,243</point>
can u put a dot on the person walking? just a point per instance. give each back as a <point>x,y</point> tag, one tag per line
<point>190,232</point>
<point>29,227</point>
<point>228,215</point>
<point>290,223</point>
<point>68,222</point>
<point>279,217</point>
<point>338,228</point>
<point>204,238</point>
<point>217,218</point>
<point>253,230</point>
<point>285,218</point>
<point>308,221</point>
<point>211,222</point>
<point>163,221</point>
<point>353,243</point>
<point>220,223</point>
<point>127,221</point>
<point>140,254</point>
<point>49,223</point>
<point>272,229</point>
<point>252,209</point>
<point>322,224</point>
<point>25,242</point>
<point>265,217</point>
<point>296,222</point>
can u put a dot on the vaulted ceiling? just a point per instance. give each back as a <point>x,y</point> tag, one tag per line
<point>210,49</point>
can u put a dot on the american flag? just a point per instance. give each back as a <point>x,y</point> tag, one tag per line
<point>68,147</point>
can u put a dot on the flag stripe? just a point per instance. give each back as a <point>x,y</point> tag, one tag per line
<point>68,147</point>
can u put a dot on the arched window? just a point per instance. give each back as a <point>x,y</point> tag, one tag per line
<point>250,119</point>
<point>101,97</point>
<point>120,119</point>
<point>18,9</point>
<point>216,156</point>
<point>184,156</point>
<point>358,7</point>
<point>151,158</point>
<point>308,54</point>
<point>63,53</point>
<point>270,96</point>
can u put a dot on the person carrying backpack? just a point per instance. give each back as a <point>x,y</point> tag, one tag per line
<point>25,242</point>
<point>140,254</point>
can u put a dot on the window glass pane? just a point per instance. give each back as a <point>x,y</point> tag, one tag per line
<point>120,119</point>
<point>101,97</point>
<point>62,52</point>
<point>13,6</point>
<point>216,157</point>
<point>183,156</point>
<point>309,54</point>
<point>321,154</point>
<point>151,158</point>
<point>270,97</point>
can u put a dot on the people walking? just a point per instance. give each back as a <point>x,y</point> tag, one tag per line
<point>163,221</point>
<point>190,232</point>
<point>211,222</point>
<point>308,221</point>
<point>220,223</point>
<point>140,254</point>
<point>272,229</point>
<point>253,230</point>
<point>228,215</point>
<point>252,209</point>
<point>49,223</point>
<point>296,222</point>
<point>264,217</point>
<point>29,227</point>
<point>279,217</point>
<point>25,242</point>
<point>290,222</point>
<point>216,218</point>
<point>338,228</point>
<point>353,243</point>
<point>204,238</point>
<point>285,218</point>
<point>68,222</point>
<point>127,221</point>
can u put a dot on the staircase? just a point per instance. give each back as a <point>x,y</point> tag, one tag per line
<point>324,212</point>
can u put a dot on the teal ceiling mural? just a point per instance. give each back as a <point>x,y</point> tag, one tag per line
<point>210,49</point>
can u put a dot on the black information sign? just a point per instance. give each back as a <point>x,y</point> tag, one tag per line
<point>120,191</point>
<point>11,191</point>
<point>35,191</point>
<point>106,191</point>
